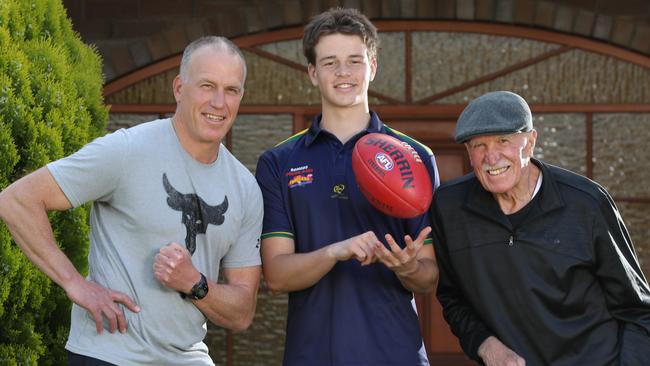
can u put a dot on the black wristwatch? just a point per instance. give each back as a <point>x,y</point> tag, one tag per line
<point>199,290</point>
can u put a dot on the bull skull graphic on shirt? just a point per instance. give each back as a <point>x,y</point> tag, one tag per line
<point>196,213</point>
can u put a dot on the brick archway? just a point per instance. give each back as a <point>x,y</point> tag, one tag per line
<point>131,34</point>
<point>248,43</point>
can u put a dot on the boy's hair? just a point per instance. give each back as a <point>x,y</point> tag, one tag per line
<point>217,43</point>
<point>343,21</point>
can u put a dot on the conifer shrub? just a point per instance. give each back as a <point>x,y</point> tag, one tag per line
<point>50,106</point>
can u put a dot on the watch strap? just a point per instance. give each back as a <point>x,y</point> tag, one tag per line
<point>199,290</point>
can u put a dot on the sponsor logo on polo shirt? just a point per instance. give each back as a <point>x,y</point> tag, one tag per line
<point>304,167</point>
<point>300,176</point>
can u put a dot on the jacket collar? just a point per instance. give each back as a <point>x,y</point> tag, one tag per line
<point>482,203</point>
<point>375,125</point>
<point>551,196</point>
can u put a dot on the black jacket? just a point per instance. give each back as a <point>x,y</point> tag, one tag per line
<point>555,289</point>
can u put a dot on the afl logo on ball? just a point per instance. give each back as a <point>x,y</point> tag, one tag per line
<point>384,161</point>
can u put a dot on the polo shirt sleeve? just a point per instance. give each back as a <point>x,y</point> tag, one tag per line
<point>417,224</point>
<point>433,172</point>
<point>276,218</point>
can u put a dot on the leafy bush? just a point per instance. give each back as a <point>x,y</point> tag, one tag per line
<point>50,106</point>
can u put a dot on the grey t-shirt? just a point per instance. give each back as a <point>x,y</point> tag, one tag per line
<point>148,192</point>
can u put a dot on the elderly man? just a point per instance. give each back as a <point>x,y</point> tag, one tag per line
<point>536,265</point>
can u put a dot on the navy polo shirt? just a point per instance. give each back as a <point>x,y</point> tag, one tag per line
<point>354,315</point>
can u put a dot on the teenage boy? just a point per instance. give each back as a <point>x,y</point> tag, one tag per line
<point>350,294</point>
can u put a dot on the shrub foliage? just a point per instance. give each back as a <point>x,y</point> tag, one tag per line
<point>50,106</point>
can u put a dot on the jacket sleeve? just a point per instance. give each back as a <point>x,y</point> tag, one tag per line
<point>617,268</point>
<point>465,323</point>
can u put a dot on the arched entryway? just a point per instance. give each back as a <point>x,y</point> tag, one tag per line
<point>591,104</point>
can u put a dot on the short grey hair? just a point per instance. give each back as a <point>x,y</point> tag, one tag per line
<point>218,44</point>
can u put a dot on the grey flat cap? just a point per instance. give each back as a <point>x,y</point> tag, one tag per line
<point>499,112</point>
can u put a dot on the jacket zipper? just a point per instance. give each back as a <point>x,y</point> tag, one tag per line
<point>511,241</point>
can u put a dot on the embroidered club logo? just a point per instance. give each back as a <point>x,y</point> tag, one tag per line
<point>300,180</point>
<point>300,176</point>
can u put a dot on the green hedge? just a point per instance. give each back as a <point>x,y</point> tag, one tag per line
<point>50,106</point>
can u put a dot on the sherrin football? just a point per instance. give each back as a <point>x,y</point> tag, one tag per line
<point>391,175</point>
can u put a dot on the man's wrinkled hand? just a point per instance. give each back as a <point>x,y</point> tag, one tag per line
<point>495,353</point>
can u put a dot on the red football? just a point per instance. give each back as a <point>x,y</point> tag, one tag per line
<point>392,175</point>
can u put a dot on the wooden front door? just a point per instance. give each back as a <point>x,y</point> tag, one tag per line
<point>452,161</point>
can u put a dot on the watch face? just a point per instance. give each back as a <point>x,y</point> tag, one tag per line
<point>200,290</point>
